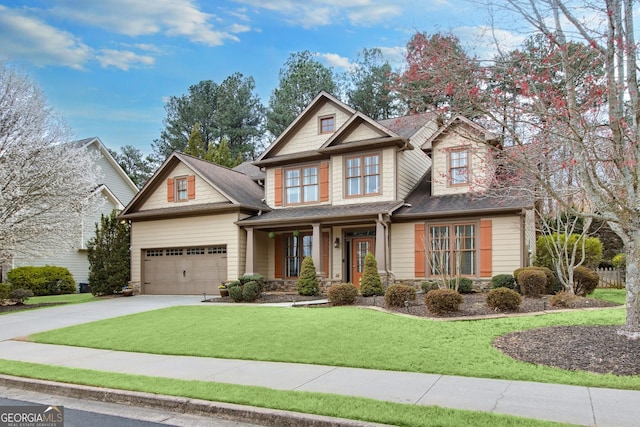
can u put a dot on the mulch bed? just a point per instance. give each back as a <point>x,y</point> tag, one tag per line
<point>598,349</point>
<point>17,307</point>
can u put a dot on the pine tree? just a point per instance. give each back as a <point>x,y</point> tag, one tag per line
<point>109,256</point>
<point>195,146</point>
<point>307,281</point>
<point>371,284</point>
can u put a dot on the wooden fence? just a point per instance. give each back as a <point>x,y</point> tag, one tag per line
<point>610,278</point>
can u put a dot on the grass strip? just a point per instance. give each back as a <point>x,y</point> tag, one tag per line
<point>355,408</point>
<point>339,336</point>
<point>619,296</point>
<point>62,299</point>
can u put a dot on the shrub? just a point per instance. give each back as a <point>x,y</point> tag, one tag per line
<point>563,299</point>
<point>619,261</point>
<point>109,255</point>
<point>592,249</point>
<point>258,278</point>
<point>19,296</point>
<point>370,284</point>
<point>465,285</point>
<point>532,282</point>
<point>429,285</point>
<point>503,299</point>
<point>5,288</point>
<point>503,281</point>
<point>251,291</point>
<point>235,292</point>
<point>342,294</point>
<point>307,281</point>
<point>585,281</point>
<point>550,278</point>
<point>47,280</point>
<point>442,301</point>
<point>396,295</point>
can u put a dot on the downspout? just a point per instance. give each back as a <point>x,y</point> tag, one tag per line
<point>387,255</point>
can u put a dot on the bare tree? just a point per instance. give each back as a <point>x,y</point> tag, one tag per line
<point>45,187</point>
<point>559,121</point>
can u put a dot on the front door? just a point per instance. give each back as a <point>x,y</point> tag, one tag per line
<point>360,246</point>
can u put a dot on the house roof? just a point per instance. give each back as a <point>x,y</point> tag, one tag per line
<point>324,213</point>
<point>240,189</point>
<point>407,126</point>
<point>459,119</point>
<point>421,203</point>
<point>250,169</point>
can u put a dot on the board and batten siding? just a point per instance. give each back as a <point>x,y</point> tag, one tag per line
<point>188,232</point>
<point>387,179</point>
<point>307,136</point>
<point>204,192</point>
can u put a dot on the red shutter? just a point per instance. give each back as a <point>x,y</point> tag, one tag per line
<point>277,186</point>
<point>486,244</point>
<point>324,181</point>
<point>277,259</point>
<point>325,253</point>
<point>419,238</point>
<point>170,191</point>
<point>191,187</point>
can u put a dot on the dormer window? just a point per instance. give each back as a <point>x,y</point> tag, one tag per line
<point>181,189</point>
<point>327,124</point>
<point>459,167</point>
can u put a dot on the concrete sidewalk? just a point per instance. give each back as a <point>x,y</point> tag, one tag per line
<point>553,402</point>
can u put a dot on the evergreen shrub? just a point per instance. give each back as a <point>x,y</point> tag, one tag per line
<point>532,282</point>
<point>396,295</point>
<point>585,281</point>
<point>503,281</point>
<point>307,281</point>
<point>47,280</point>
<point>251,291</point>
<point>370,284</point>
<point>441,301</point>
<point>342,294</point>
<point>465,285</point>
<point>503,299</point>
<point>19,296</point>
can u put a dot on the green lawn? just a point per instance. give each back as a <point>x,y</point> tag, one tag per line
<point>339,336</point>
<point>65,299</point>
<point>619,296</point>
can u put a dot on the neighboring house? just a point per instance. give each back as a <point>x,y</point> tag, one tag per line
<point>334,185</point>
<point>116,188</point>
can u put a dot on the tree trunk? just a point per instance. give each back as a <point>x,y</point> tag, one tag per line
<point>631,329</point>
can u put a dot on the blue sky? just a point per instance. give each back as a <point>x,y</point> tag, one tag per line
<point>109,66</point>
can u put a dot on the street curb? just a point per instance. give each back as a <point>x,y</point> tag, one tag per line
<point>229,411</point>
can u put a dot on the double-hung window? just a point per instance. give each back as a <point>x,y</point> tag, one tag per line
<point>363,175</point>
<point>181,189</point>
<point>459,167</point>
<point>452,249</point>
<point>301,185</point>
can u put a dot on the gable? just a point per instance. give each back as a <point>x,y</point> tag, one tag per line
<point>157,196</point>
<point>111,174</point>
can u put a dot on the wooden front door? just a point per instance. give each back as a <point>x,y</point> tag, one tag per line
<point>360,246</point>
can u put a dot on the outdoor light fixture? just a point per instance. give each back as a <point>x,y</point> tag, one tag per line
<point>336,243</point>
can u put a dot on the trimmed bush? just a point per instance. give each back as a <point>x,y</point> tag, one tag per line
<point>396,295</point>
<point>441,301</point>
<point>258,278</point>
<point>563,299</point>
<point>235,292</point>
<point>342,294</point>
<point>504,299</point>
<point>429,285</point>
<point>585,281</point>
<point>251,291</point>
<point>370,284</point>
<point>550,278</point>
<point>532,282</point>
<point>19,296</point>
<point>307,281</point>
<point>5,288</point>
<point>503,281</point>
<point>465,285</point>
<point>47,280</point>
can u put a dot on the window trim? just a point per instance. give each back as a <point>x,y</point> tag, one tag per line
<point>467,166</point>
<point>178,180</point>
<point>451,251</point>
<point>362,177</point>
<point>302,185</point>
<point>321,119</point>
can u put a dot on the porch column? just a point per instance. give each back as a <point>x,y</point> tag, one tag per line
<point>381,248</point>
<point>316,249</point>
<point>249,268</point>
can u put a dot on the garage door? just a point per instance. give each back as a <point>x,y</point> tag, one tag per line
<point>184,271</point>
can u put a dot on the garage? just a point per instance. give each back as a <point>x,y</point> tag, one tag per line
<point>184,271</point>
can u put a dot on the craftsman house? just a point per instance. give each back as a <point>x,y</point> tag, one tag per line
<point>334,185</point>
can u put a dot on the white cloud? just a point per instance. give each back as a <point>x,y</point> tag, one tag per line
<point>335,60</point>
<point>27,38</point>
<point>174,18</point>
<point>123,59</point>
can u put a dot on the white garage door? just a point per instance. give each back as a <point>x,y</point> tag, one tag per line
<point>184,271</point>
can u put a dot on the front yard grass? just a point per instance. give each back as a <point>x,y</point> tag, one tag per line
<point>339,336</point>
<point>62,299</point>
<point>619,296</point>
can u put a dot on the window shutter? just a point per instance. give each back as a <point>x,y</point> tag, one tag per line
<point>170,190</point>
<point>277,186</point>
<point>325,253</point>
<point>278,261</point>
<point>191,187</point>
<point>419,251</point>
<point>324,181</point>
<point>486,244</point>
